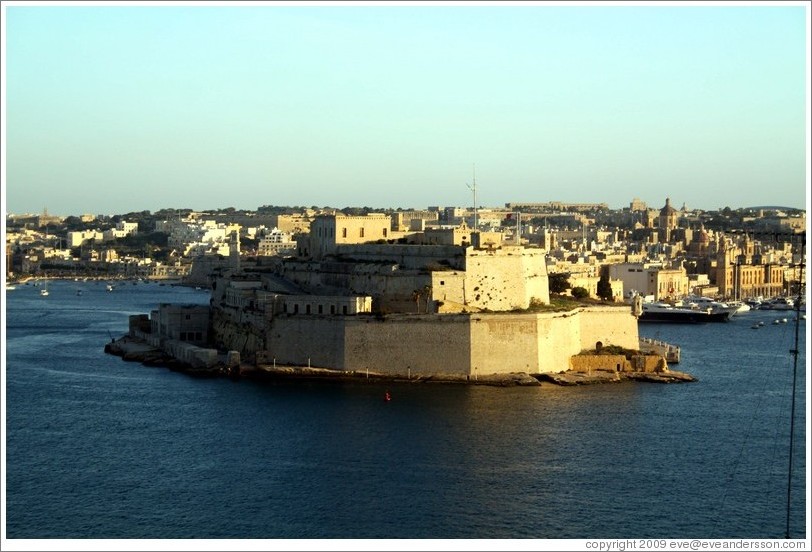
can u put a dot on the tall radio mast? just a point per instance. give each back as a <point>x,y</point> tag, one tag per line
<point>472,187</point>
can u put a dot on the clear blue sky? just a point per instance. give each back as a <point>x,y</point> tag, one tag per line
<point>112,109</point>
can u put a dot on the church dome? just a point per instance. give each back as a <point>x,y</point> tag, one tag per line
<point>668,210</point>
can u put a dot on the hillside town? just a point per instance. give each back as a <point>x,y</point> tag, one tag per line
<point>664,253</point>
<point>451,293</point>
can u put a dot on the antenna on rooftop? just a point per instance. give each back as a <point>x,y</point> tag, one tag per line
<point>472,187</point>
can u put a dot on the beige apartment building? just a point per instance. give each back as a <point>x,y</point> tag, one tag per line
<point>295,224</point>
<point>403,221</point>
<point>651,279</point>
<point>741,272</point>
<point>328,231</point>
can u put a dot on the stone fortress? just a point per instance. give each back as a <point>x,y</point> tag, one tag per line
<point>361,297</point>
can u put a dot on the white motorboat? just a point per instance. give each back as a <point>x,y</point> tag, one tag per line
<point>778,303</point>
<point>740,306</point>
<point>705,303</point>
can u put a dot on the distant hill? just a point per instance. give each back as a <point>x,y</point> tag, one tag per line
<point>774,208</point>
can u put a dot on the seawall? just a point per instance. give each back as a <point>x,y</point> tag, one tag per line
<point>467,345</point>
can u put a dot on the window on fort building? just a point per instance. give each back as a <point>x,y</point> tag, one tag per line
<point>321,309</point>
<point>442,282</point>
<point>362,232</point>
<point>285,307</point>
<point>307,309</point>
<point>183,336</point>
<point>188,317</point>
<point>332,309</point>
<point>343,232</point>
<point>295,309</point>
<point>344,309</point>
<point>384,232</point>
<point>198,336</point>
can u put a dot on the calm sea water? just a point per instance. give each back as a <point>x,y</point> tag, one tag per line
<point>101,448</point>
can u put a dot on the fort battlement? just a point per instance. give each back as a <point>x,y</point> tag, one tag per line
<point>455,344</point>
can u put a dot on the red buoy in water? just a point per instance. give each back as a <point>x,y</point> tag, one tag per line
<point>387,397</point>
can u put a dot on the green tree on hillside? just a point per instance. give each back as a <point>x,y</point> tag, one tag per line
<point>604,287</point>
<point>559,282</point>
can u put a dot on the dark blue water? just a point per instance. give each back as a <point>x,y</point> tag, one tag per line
<point>101,448</point>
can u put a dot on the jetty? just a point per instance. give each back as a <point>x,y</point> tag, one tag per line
<point>666,350</point>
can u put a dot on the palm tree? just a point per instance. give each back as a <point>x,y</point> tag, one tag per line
<point>427,294</point>
<point>416,299</point>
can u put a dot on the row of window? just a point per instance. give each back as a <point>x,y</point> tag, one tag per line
<point>320,309</point>
<point>344,232</point>
<point>751,278</point>
<point>191,336</point>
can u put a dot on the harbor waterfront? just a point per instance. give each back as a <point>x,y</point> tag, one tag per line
<point>101,448</point>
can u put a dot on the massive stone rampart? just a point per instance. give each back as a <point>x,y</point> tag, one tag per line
<point>461,344</point>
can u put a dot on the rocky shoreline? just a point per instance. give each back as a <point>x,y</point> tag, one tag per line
<point>610,376</point>
<point>135,350</point>
<point>132,349</point>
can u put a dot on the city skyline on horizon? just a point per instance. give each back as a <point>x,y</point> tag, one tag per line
<point>242,106</point>
<point>46,210</point>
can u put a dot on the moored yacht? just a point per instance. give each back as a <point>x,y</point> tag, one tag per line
<point>740,306</point>
<point>697,301</point>
<point>778,303</point>
<point>664,312</point>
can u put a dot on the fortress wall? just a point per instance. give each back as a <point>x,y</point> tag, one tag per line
<point>535,343</point>
<point>559,336</point>
<point>407,256</point>
<point>495,282</point>
<point>295,339</point>
<point>464,344</point>
<point>236,330</point>
<point>504,343</point>
<point>610,326</point>
<point>448,287</point>
<point>537,282</point>
<point>393,289</point>
<point>589,363</point>
<point>505,279</point>
<point>420,345</point>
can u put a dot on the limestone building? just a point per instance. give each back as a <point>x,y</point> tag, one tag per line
<point>276,243</point>
<point>402,220</point>
<point>667,221</point>
<point>329,231</point>
<point>651,279</point>
<point>743,272</point>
